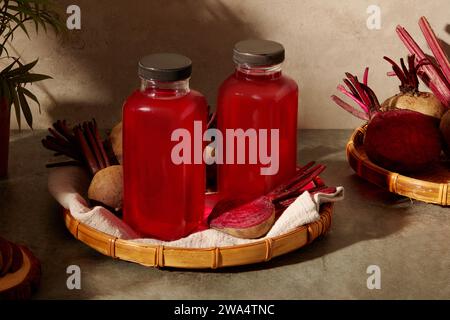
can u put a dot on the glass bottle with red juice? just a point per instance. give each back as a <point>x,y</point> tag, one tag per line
<point>257,96</point>
<point>163,198</point>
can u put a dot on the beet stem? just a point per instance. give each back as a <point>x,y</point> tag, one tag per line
<point>211,120</point>
<point>344,105</point>
<point>356,83</point>
<point>355,99</point>
<point>433,42</point>
<point>306,178</point>
<point>398,71</point>
<point>87,152</point>
<point>429,73</point>
<point>100,143</point>
<point>366,76</point>
<point>292,181</point>
<point>352,88</point>
<point>61,128</point>
<point>93,145</point>
<point>51,143</point>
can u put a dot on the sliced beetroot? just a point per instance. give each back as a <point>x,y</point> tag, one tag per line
<point>17,258</point>
<point>249,220</point>
<point>403,140</point>
<point>254,232</point>
<point>7,252</point>
<point>243,216</point>
<point>254,219</point>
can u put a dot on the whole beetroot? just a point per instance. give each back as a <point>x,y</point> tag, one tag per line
<point>400,140</point>
<point>403,140</point>
<point>410,97</point>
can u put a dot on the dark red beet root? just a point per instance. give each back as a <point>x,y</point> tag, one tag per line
<point>403,140</point>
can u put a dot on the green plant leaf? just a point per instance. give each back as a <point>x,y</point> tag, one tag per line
<point>18,12</point>
<point>18,22</point>
<point>30,95</point>
<point>22,69</point>
<point>12,29</point>
<point>2,48</point>
<point>25,108</point>
<point>9,67</point>
<point>30,77</point>
<point>20,15</point>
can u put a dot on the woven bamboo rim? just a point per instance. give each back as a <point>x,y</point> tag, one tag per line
<point>431,186</point>
<point>161,256</point>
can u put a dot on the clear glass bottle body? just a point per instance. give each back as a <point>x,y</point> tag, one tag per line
<point>258,98</point>
<point>162,199</point>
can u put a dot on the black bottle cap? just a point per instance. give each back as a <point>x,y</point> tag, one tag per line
<point>258,52</point>
<point>165,67</point>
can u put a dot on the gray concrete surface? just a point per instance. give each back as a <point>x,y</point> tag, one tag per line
<point>408,240</point>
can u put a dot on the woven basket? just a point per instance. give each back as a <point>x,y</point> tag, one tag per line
<point>161,256</point>
<point>431,186</point>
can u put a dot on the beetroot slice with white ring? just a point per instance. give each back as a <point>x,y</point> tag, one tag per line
<point>250,220</point>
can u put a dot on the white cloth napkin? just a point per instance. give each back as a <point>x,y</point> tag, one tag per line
<point>69,186</point>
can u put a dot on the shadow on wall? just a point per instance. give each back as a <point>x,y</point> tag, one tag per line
<point>445,45</point>
<point>102,57</point>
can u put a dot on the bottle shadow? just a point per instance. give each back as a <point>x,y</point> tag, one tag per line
<point>367,213</point>
<point>446,45</point>
<point>370,214</point>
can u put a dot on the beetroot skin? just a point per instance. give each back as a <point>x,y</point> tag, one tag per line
<point>403,140</point>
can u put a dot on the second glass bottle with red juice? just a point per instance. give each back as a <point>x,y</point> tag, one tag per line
<point>257,96</point>
<point>162,199</point>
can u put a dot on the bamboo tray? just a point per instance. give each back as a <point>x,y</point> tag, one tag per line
<point>431,186</point>
<point>161,256</point>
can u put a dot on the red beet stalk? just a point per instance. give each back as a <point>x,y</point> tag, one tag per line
<point>435,76</point>
<point>433,42</point>
<point>361,94</point>
<point>83,143</point>
<point>313,191</point>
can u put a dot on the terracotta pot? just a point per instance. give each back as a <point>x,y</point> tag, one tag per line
<point>4,138</point>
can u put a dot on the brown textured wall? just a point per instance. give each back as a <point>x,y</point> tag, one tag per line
<point>94,69</point>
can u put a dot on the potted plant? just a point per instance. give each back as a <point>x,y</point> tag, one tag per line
<point>19,16</point>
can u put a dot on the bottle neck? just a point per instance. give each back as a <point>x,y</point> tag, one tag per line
<point>165,90</point>
<point>244,71</point>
